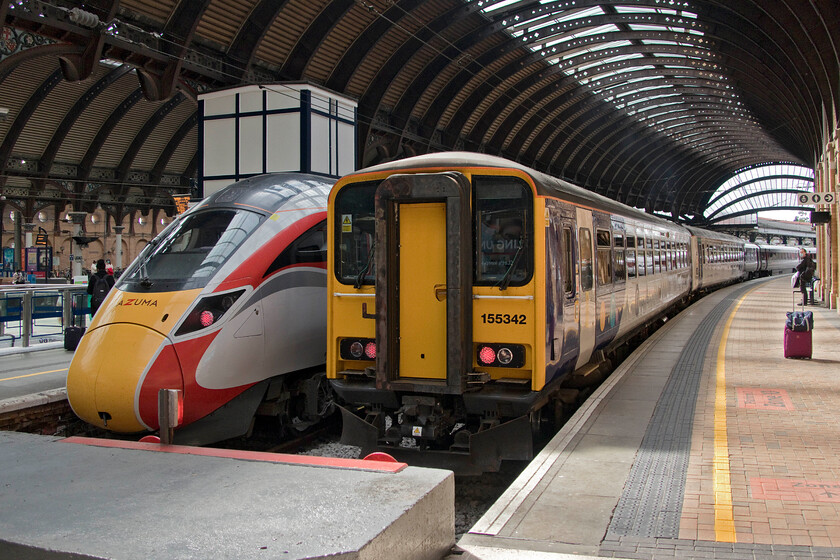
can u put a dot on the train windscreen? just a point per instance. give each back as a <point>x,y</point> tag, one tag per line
<point>188,255</point>
<point>355,234</point>
<point>502,210</point>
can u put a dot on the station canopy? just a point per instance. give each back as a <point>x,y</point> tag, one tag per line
<point>673,106</point>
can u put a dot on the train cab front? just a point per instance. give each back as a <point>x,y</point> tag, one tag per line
<point>124,359</point>
<point>431,342</point>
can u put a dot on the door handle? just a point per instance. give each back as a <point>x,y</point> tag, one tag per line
<point>365,314</point>
<point>440,292</point>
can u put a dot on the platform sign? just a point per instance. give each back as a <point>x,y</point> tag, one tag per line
<point>812,199</point>
<point>182,203</point>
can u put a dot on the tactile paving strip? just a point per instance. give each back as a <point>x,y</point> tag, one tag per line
<point>652,501</point>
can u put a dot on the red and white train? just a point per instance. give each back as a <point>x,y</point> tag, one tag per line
<point>227,305</point>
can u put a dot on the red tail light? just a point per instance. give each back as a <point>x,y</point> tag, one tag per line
<point>486,355</point>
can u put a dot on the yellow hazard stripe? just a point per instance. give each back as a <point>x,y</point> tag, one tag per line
<point>724,516</point>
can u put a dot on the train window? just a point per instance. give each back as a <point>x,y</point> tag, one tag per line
<point>640,259</point>
<point>503,221</point>
<point>585,240</point>
<point>631,241</point>
<point>568,263</point>
<point>649,267</point>
<point>630,260</point>
<point>192,251</point>
<point>604,256</point>
<point>311,247</point>
<point>619,265</point>
<point>657,261</point>
<point>355,234</point>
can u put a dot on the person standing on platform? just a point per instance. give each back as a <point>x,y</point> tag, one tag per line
<point>99,284</point>
<point>806,269</point>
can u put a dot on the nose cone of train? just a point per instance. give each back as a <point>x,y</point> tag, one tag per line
<point>108,368</point>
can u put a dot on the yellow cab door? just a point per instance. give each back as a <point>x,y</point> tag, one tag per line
<point>423,282</point>
<point>422,288</point>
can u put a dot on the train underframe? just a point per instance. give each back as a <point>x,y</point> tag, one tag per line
<point>469,433</point>
<point>293,402</point>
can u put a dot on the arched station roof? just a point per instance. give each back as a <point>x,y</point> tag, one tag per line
<point>655,103</point>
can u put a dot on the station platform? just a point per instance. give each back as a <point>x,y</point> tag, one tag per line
<point>705,443</point>
<point>80,498</point>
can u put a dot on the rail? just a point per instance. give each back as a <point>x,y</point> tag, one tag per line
<point>37,313</point>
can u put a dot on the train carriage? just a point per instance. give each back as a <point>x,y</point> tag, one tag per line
<point>463,291</point>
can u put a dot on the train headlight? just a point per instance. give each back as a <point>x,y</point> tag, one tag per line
<point>206,318</point>
<point>500,355</point>
<point>207,311</point>
<point>505,356</point>
<point>357,349</point>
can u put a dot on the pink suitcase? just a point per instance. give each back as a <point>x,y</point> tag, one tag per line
<point>797,344</point>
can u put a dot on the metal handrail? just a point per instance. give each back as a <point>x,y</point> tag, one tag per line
<point>22,304</point>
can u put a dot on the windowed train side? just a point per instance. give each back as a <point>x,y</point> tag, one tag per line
<point>468,294</point>
<point>227,306</point>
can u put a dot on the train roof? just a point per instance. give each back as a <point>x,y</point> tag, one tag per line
<point>546,184</point>
<point>271,191</point>
<point>716,235</point>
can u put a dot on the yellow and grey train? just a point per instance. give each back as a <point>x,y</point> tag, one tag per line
<point>227,306</point>
<point>467,293</point>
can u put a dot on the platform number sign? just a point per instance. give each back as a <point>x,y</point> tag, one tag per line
<point>811,199</point>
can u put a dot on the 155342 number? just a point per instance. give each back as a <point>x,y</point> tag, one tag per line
<point>503,318</point>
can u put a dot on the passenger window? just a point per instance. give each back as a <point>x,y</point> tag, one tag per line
<point>641,268</point>
<point>657,257</point>
<point>604,254</point>
<point>585,239</point>
<point>618,263</point>
<point>568,263</point>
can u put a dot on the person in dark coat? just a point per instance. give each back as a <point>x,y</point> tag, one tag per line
<point>99,284</point>
<point>806,269</point>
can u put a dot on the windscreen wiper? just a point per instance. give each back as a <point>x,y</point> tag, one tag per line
<point>506,279</point>
<point>362,273</point>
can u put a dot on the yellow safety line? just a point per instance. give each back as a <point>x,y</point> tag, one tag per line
<point>33,374</point>
<point>724,517</point>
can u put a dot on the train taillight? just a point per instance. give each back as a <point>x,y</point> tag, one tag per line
<point>357,349</point>
<point>501,355</point>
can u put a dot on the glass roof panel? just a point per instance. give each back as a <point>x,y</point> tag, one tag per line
<point>754,181</point>
<point>555,30</point>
